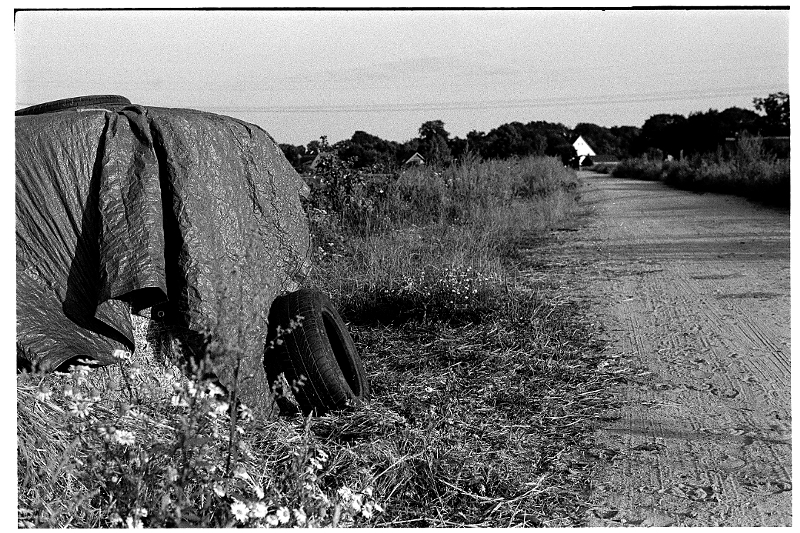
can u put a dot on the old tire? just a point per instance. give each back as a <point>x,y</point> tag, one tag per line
<point>320,350</point>
<point>69,103</point>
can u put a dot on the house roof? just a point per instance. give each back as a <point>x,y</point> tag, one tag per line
<point>415,157</point>
<point>582,147</point>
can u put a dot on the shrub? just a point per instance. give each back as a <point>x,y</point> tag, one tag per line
<point>604,168</point>
<point>638,169</point>
<point>679,174</point>
<point>751,172</point>
<point>543,176</point>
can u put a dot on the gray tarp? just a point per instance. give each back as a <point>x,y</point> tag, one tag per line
<point>122,209</point>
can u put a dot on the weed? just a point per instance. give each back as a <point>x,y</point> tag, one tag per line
<point>166,458</point>
<point>484,384</point>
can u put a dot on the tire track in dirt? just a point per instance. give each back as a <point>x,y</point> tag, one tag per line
<point>694,291</point>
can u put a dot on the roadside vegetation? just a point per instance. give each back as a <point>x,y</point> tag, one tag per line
<point>749,171</point>
<point>701,132</point>
<point>485,381</point>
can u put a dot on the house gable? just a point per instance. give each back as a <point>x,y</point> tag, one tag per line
<point>415,159</point>
<point>582,148</point>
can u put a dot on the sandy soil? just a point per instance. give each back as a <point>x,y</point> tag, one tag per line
<point>693,291</point>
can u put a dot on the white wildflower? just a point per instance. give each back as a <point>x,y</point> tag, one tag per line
<point>259,510</point>
<point>43,393</point>
<point>80,371</point>
<point>356,502</point>
<point>80,407</point>
<point>300,517</point>
<point>345,493</point>
<point>220,408</point>
<point>239,510</point>
<point>215,390</point>
<point>121,355</point>
<point>124,437</point>
<point>272,520</point>
<point>245,413</point>
<point>219,490</point>
<point>283,515</point>
<point>366,511</point>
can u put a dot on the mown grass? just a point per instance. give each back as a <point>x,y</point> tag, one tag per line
<point>485,382</point>
<point>751,172</point>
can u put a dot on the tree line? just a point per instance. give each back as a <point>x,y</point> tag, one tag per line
<point>660,135</point>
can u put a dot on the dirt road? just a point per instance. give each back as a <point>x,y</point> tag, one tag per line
<point>694,293</point>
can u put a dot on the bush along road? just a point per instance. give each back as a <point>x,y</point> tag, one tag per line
<point>693,294</point>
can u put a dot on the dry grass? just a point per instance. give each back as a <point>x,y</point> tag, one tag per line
<point>479,417</point>
<point>486,418</point>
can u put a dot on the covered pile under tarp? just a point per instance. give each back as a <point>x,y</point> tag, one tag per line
<point>118,210</point>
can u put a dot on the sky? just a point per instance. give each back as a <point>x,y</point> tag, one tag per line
<point>304,74</point>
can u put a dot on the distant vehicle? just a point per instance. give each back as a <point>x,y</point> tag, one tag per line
<point>191,216</point>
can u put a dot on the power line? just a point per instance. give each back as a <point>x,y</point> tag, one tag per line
<point>568,101</point>
<point>562,101</point>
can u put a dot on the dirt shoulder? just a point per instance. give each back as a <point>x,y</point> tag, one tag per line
<point>693,290</point>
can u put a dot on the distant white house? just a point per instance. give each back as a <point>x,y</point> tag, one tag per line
<point>415,160</point>
<point>583,149</point>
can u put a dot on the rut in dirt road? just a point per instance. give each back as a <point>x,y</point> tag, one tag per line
<point>694,293</point>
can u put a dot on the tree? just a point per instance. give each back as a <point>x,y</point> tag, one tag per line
<point>458,147</point>
<point>433,143</point>
<point>601,139</point>
<point>506,141</point>
<point>294,154</point>
<point>539,144</point>
<point>702,133</point>
<point>664,132</point>
<point>776,113</point>
<point>735,120</point>
<point>315,147</point>
<point>477,142</point>
<point>365,150</point>
<point>629,139</point>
